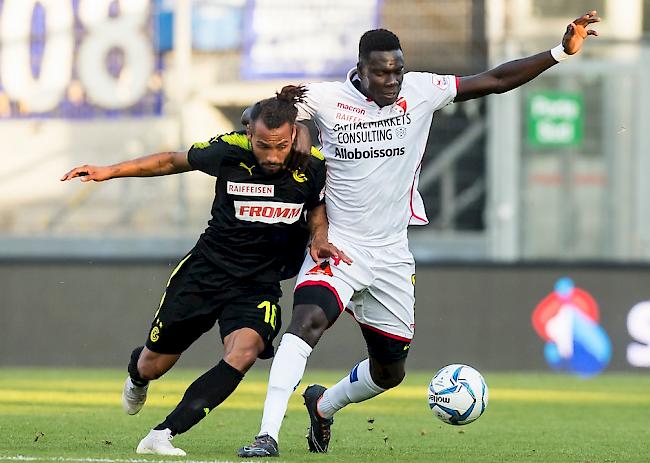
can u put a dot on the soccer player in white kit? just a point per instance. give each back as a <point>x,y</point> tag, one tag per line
<point>373,128</point>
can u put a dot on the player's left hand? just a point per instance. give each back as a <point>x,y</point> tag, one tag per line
<point>320,248</point>
<point>303,141</point>
<point>301,150</point>
<point>577,32</point>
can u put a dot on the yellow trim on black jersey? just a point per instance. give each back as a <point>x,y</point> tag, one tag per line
<point>174,272</point>
<point>317,154</point>
<point>237,139</point>
<point>200,145</point>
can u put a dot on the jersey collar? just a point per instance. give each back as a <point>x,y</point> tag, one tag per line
<point>353,77</point>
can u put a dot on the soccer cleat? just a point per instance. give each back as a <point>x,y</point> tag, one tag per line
<point>133,397</point>
<point>158,443</point>
<point>263,446</point>
<point>318,434</point>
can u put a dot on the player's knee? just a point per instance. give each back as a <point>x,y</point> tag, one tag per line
<point>308,322</point>
<point>242,358</point>
<point>150,370</point>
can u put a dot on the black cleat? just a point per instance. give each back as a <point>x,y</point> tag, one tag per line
<point>318,434</point>
<point>263,446</point>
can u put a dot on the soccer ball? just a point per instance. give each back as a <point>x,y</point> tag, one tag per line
<point>458,394</point>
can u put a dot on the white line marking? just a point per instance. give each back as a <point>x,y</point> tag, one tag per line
<point>109,460</point>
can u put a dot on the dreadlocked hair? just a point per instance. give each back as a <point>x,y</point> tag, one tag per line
<point>377,40</point>
<point>277,111</point>
<point>292,93</point>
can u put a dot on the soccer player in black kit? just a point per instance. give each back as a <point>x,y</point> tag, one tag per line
<point>256,237</point>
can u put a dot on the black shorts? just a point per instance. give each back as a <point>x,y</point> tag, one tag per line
<point>384,348</point>
<point>199,293</point>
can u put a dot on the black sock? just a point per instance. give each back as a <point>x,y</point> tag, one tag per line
<point>133,368</point>
<point>204,394</point>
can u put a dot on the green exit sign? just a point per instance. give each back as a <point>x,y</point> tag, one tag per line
<point>555,119</point>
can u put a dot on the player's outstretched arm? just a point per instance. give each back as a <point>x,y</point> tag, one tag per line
<point>148,166</point>
<point>515,73</point>
<point>320,247</point>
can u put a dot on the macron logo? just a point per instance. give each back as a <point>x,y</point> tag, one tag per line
<point>347,107</point>
<point>267,211</point>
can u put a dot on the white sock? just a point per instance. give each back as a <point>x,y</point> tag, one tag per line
<point>286,372</point>
<point>354,388</point>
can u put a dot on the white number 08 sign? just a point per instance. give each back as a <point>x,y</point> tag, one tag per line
<point>102,34</point>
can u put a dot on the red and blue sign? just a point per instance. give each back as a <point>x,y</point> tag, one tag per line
<point>568,320</point>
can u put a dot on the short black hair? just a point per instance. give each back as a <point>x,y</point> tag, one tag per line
<point>377,40</point>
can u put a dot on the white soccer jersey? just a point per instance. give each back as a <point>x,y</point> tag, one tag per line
<point>373,154</point>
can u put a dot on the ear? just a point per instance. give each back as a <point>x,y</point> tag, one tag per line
<point>249,132</point>
<point>294,133</point>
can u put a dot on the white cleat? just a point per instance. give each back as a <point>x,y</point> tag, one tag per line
<point>133,397</point>
<point>158,443</point>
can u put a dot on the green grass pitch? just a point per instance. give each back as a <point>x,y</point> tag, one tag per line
<point>76,416</point>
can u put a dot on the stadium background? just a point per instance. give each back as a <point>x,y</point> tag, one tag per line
<point>513,208</point>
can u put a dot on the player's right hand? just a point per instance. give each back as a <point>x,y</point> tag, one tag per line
<point>577,32</point>
<point>320,248</point>
<point>87,173</point>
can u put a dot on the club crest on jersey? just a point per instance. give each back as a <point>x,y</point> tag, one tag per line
<point>249,169</point>
<point>321,269</point>
<point>267,211</point>
<point>299,176</point>
<point>250,189</point>
<point>442,82</point>
<point>400,132</point>
<point>401,102</point>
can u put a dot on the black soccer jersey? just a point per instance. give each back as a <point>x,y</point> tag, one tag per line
<point>258,229</point>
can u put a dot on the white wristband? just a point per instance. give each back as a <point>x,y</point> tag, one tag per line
<point>559,54</point>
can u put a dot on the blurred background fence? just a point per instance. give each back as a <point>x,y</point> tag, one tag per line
<point>556,171</point>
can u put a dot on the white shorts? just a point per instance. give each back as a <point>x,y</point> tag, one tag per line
<point>378,288</point>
